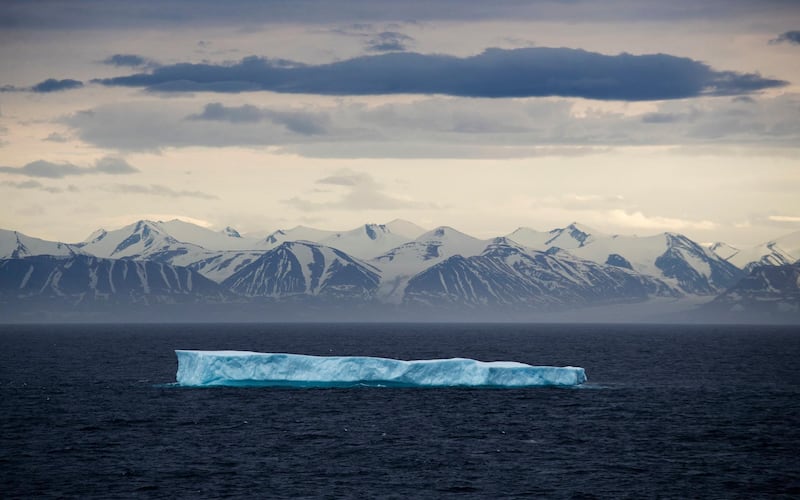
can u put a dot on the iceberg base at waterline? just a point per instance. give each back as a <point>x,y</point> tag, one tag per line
<point>244,368</point>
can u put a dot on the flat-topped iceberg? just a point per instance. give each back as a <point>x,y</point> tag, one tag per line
<point>244,368</point>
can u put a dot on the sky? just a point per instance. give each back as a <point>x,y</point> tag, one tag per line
<point>632,117</point>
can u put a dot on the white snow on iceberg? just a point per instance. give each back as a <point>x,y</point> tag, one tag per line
<point>244,368</point>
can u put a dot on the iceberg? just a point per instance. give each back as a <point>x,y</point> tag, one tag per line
<point>245,368</point>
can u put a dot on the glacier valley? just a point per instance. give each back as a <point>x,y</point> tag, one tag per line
<point>245,368</point>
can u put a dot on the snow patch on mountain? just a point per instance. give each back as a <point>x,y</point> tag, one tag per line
<point>723,250</point>
<point>767,293</point>
<point>298,233</point>
<point>216,266</point>
<point>575,235</point>
<point>303,268</point>
<point>777,252</point>
<point>399,264</point>
<point>674,258</point>
<point>81,278</point>
<point>138,240</point>
<point>406,229</point>
<point>15,245</point>
<point>509,275</point>
<point>365,242</point>
<point>227,239</point>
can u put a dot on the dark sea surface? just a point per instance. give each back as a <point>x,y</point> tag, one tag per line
<point>669,412</point>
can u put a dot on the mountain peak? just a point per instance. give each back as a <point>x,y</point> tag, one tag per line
<point>404,228</point>
<point>505,243</point>
<point>577,226</point>
<point>96,235</point>
<point>145,225</point>
<point>231,232</point>
<point>723,249</point>
<point>575,235</point>
<point>441,232</point>
<point>373,230</point>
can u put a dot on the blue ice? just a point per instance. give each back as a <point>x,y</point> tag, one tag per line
<point>244,368</point>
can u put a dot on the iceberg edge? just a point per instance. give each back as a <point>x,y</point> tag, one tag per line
<point>245,368</point>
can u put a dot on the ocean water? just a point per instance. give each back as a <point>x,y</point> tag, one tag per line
<point>86,411</point>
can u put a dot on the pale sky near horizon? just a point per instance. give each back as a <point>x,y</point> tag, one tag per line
<point>630,117</point>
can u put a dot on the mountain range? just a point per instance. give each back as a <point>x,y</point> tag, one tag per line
<point>396,270</point>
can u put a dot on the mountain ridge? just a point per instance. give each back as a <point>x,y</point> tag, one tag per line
<point>439,268</point>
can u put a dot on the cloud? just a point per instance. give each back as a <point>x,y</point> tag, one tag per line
<point>661,118</point>
<point>38,186</point>
<point>640,220</point>
<point>495,73</point>
<point>53,85</point>
<point>128,60</point>
<point>56,137</point>
<point>581,202</point>
<point>687,116</point>
<point>785,221</point>
<point>377,41</point>
<point>348,178</point>
<point>113,166</point>
<point>41,168</point>
<point>361,192</point>
<point>151,126</point>
<point>60,15</point>
<point>784,218</point>
<point>216,111</point>
<point>442,127</point>
<point>389,41</point>
<point>300,122</point>
<point>159,190</point>
<point>46,86</point>
<point>790,37</point>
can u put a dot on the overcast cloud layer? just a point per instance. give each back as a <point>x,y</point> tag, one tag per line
<point>635,116</point>
<point>58,14</point>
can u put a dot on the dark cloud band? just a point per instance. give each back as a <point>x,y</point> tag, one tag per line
<point>496,73</point>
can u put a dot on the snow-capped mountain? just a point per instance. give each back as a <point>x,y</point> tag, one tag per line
<point>575,266</point>
<point>573,236</point>
<point>15,245</point>
<point>216,266</point>
<point>406,229</point>
<point>219,254</point>
<point>399,264</point>
<point>507,274</point>
<point>305,269</point>
<point>767,292</point>
<point>226,239</point>
<point>140,240</point>
<point>83,278</point>
<point>673,258</point>
<point>299,233</point>
<point>777,252</point>
<point>365,242</point>
<point>723,250</point>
